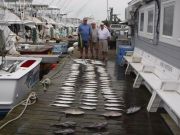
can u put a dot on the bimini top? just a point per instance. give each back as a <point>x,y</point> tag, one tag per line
<point>8,17</point>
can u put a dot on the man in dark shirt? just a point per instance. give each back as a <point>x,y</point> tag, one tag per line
<point>84,32</point>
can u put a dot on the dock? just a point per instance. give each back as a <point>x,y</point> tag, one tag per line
<point>39,117</point>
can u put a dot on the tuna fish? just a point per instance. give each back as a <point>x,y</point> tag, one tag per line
<point>63,102</point>
<point>90,100</point>
<point>90,104</point>
<point>66,99</point>
<point>113,105</point>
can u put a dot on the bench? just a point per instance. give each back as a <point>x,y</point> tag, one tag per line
<point>163,81</point>
<point>137,62</point>
<point>160,78</point>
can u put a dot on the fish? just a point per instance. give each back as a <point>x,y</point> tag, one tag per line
<point>113,105</point>
<point>63,102</point>
<point>74,112</point>
<point>90,100</point>
<point>105,133</point>
<point>97,126</point>
<point>109,96</point>
<point>88,92</point>
<point>114,101</point>
<point>88,107</point>
<point>67,88</point>
<point>113,109</point>
<point>133,110</point>
<point>90,97</point>
<point>68,124</point>
<point>71,79</point>
<point>90,104</point>
<point>112,114</point>
<point>112,98</point>
<point>64,132</point>
<point>66,99</point>
<point>68,93</point>
<point>89,88</point>
<point>69,84</point>
<point>60,105</point>
<point>65,96</point>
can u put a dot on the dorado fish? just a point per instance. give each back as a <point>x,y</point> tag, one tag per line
<point>88,107</point>
<point>97,126</point>
<point>112,114</point>
<point>74,112</point>
<point>60,105</point>
<point>133,110</point>
<point>65,132</point>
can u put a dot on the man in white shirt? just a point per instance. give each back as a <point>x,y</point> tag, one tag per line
<point>94,41</point>
<point>104,36</point>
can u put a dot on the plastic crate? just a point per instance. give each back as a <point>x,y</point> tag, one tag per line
<point>60,48</point>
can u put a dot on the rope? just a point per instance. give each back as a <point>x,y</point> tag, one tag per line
<point>32,97</point>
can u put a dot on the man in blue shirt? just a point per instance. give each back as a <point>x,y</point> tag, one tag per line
<point>84,32</point>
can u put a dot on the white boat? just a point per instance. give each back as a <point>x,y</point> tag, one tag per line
<point>17,77</point>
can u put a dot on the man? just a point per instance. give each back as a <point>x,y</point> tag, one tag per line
<point>84,33</point>
<point>94,43</point>
<point>104,36</point>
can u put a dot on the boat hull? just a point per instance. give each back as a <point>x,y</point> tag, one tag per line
<point>14,90</point>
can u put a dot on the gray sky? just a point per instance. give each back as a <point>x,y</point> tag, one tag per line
<point>88,8</point>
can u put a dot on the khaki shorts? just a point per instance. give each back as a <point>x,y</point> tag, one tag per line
<point>94,45</point>
<point>104,45</point>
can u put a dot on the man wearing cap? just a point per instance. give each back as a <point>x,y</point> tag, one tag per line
<point>104,36</point>
<point>94,42</point>
<point>84,32</point>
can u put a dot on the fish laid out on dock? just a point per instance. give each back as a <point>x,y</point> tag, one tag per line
<point>90,100</point>
<point>113,109</point>
<point>66,99</point>
<point>90,104</point>
<point>63,102</point>
<point>64,132</point>
<point>133,110</point>
<point>68,124</point>
<point>85,107</point>
<point>74,112</point>
<point>97,126</point>
<point>112,114</point>
<point>60,105</point>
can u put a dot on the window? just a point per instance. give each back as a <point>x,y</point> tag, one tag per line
<point>150,21</point>
<point>142,22</point>
<point>168,20</point>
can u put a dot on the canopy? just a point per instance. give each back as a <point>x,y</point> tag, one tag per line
<point>8,17</point>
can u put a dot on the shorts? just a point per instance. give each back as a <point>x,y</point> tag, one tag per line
<point>85,44</point>
<point>94,45</point>
<point>104,45</point>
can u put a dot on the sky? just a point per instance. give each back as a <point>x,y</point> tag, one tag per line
<point>88,8</point>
